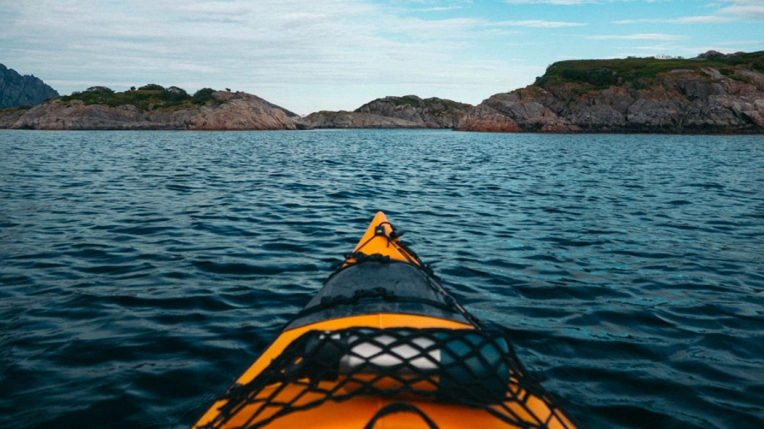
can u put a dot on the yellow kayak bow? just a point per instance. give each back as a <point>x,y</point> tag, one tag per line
<point>383,345</point>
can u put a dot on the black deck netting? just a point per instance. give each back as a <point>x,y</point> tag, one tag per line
<point>468,367</point>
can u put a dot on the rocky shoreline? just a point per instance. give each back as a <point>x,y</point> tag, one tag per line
<point>713,93</point>
<point>225,111</point>
<point>681,101</point>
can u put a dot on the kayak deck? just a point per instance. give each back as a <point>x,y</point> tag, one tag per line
<point>384,345</point>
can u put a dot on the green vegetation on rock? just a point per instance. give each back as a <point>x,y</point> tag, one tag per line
<point>151,87</point>
<point>407,100</point>
<point>446,105</point>
<point>604,73</point>
<point>202,96</point>
<point>9,110</point>
<point>434,105</point>
<point>147,97</point>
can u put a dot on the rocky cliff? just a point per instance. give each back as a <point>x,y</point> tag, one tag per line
<point>394,112</point>
<point>713,93</point>
<point>221,111</point>
<point>17,90</point>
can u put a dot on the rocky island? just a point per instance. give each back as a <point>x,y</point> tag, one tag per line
<point>713,93</point>
<point>394,112</point>
<point>153,107</point>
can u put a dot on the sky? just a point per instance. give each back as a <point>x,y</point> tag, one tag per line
<point>311,55</point>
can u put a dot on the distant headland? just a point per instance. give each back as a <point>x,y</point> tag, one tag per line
<point>17,90</point>
<point>712,93</point>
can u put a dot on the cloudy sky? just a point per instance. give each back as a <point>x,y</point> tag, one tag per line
<point>310,55</point>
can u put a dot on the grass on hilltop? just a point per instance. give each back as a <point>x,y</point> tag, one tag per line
<point>416,102</point>
<point>147,97</point>
<point>604,73</point>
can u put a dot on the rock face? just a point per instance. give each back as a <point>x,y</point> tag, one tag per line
<point>394,112</point>
<point>227,111</point>
<point>236,111</point>
<point>9,117</point>
<point>515,112</point>
<point>704,100</point>
<point>17,90</point>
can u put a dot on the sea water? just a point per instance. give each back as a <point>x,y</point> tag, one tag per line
<point>142,272</point>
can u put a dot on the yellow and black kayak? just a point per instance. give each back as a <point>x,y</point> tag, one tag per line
<point>383,345</point>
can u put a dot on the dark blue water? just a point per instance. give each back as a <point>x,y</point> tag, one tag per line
<point>142,272</point>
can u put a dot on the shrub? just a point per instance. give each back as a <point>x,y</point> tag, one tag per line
<point>407,101</point>
<point>174,94</point>
<point>202,96</point>
<point>599,77</point>
<point>100,89</point>
<point>602,73</point>
<point>151,87</point>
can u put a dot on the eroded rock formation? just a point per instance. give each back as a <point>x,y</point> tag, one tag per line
<point>703,100</point>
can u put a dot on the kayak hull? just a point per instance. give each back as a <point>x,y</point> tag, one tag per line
<point>382,288</point>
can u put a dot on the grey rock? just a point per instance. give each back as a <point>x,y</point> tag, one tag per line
<point>679,101</point>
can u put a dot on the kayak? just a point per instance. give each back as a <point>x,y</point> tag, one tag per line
<point>382,344</point>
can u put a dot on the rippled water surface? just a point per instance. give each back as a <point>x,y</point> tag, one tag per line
<point>142,272</point>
